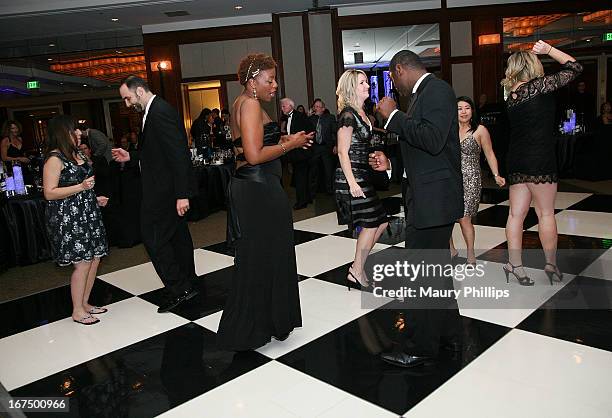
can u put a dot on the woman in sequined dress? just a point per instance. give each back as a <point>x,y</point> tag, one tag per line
<point>473,138</point>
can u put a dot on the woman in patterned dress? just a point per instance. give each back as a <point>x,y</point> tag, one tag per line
<point>356,199</point>
<point>531,159</point>
<point>74,222</point>
<point>473,138</point>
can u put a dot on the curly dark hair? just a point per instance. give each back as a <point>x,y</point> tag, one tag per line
<point>252,64</point>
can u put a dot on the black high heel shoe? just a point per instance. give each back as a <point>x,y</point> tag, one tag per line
<point>523,281</point>
<point>358,285</point>
<point>555,272</point>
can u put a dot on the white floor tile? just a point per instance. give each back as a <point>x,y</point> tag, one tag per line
<point>209,261</point>
<point>327,253</point>
<point>325,307</point>
<point>526,375</point>
<point>39,352</point>
<point>483,206</point>
<point>563,200</point>
<point>324,224</point>
<point>486,237</point>
<point>274,390</point>
<point>136,280</point>
<point>588,224</point>
<point>524,300</point>
<point>600,268</point>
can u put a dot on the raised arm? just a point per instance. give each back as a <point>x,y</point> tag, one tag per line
<point>569,71</point>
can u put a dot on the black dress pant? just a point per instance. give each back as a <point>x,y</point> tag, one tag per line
<point>429,326</point>
<point>300,177</point>
<point>321,153</point>
<point>168,242</point>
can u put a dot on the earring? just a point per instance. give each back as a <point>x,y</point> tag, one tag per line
<point>254,93</point>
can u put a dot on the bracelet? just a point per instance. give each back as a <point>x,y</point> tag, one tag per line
<point>551,47</point>
<point>283,147</point>
<point>495,175</point>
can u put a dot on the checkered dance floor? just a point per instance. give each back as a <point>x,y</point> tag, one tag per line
<point>536,361</point>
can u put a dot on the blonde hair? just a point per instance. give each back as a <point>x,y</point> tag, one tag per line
<point>522,66</point>
<point>347,89</point>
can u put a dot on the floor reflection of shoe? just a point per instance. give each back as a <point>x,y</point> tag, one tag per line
<point>402,359</point>
<point>174,301</point>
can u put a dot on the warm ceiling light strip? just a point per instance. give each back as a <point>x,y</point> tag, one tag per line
<point>97,62</point>
<point>600,16</point>
<point>526,25</point>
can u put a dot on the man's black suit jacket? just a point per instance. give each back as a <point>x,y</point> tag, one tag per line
<point>429,141</point>
<point>300,122</point>
<point>165,165</point>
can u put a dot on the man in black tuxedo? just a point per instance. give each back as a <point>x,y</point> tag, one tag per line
<point>299,158</point>
<point>324,144</point>
<point>429,141</point>
<point>165,168</point>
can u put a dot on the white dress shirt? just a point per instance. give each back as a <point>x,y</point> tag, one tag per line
<point>289,117</point>
<point>144,118</point>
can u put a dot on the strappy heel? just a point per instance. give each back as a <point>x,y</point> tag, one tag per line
<point>354,280</point>
<point>523,281</point>
<point>551,274</point>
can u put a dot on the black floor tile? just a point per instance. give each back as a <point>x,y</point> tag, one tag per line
<point>148,377</point>
<point>594,203</point>
<point>575,253</point>
<point>337,275</point>
<point>580,312</point>
<point>394,234</point>
<point>493,196</point>
<point>221,248</point>
<point>348,358</point>
<point>51,305</point>
<point>498,215</point>
<point>300,237</point>
<point>213,288</point>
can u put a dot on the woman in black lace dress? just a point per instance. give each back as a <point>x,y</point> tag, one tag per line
<point>264,300</point>
<point>74,222</point>
<point>531,159</point>
<point>356,200</point>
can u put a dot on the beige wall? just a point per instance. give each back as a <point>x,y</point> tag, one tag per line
<point>294,62</point>
<point>322,55</point>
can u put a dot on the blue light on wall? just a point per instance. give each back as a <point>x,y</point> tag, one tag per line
<point>374,88</point>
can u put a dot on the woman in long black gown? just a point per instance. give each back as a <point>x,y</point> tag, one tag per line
<point>264,299</point>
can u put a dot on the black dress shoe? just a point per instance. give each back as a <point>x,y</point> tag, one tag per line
<point>281,337</point>
<point>300,206</point>
<point>175,301</point>
<point>402,359</point>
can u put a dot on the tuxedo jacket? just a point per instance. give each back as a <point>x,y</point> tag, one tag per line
<point>300,122</point>
<point>165,164</point>
<point>431,153</point>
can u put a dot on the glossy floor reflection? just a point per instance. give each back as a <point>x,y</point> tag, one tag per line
<point>146,378</point>
<point>348,358</point>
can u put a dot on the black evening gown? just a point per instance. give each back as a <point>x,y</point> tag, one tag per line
<point>264,298</point>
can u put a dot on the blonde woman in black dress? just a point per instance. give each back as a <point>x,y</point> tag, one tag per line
<point>356,199</point>
<point>531,159</point>
<point>473,138</point>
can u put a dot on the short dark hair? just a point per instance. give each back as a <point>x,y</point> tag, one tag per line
<point>408,59</point>
<point>133,82</point>
<point>318,99</point>
<point>82,127</point>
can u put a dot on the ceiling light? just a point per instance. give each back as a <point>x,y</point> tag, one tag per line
<point>114,19</point>
<point>588,40</point>
<point>84,85</point>
<point>238,7</point>
<point>119,52</point>
<point>52,44</point>
<point>49,59</point>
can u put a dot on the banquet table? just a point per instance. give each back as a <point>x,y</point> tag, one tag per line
<point>211,183</point>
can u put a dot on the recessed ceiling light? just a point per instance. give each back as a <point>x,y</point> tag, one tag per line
<point>51,44</point>
<point>114,19</point>
<point>588,40</point>
<point>49,59</point>
<point>119,52</point>
<point>84,85</point>
<point>238,7</point>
